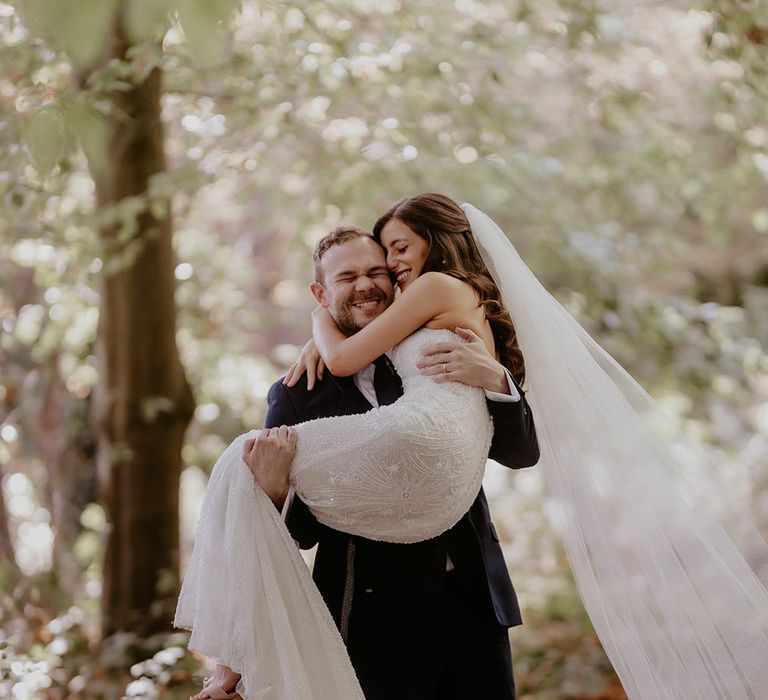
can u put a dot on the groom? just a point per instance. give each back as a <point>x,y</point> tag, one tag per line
<point>421,621</point>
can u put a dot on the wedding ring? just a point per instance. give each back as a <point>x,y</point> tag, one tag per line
<point>443,367</point>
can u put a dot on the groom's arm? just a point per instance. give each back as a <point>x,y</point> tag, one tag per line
<point>303,526</point>
<point>514,443</point>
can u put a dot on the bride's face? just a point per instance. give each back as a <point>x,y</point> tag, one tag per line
<point>406,252</point>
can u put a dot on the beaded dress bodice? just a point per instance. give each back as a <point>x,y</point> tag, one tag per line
<point>404,472</point>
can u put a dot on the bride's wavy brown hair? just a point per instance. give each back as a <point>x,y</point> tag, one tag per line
<point>453,251</point>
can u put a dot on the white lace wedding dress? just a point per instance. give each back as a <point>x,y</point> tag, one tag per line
<point>401,473</point>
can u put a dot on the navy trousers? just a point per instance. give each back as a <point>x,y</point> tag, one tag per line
<point>429,645</point>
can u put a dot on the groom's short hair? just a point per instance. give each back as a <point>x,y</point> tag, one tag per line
<point>339,235</point>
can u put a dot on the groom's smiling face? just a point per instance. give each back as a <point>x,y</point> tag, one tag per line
<point>356,285</point>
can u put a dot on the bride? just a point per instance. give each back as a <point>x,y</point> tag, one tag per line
<point>676,605</point>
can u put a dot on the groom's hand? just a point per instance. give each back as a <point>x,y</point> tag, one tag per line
<point>469,363</point>
<point>269,458</point>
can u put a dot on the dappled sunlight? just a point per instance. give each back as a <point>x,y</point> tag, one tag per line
<point>623,148</point>
<point>34,537</point>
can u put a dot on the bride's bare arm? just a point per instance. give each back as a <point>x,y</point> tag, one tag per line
<point>428,296</point>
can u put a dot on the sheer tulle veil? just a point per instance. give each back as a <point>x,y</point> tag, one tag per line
<point>676,604</point>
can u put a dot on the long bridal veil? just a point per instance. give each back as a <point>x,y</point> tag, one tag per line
<point>677,607</point>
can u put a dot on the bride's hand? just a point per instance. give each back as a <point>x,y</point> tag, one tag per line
<point>310,362</point>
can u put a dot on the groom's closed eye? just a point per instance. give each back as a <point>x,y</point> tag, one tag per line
<point>375,273</point>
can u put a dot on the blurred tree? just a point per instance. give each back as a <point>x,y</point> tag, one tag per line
<point>143,401</point>
<point>67,446</point>
<point>8,567</point>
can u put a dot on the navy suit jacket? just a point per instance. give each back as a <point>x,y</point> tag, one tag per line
<point>472,543</point>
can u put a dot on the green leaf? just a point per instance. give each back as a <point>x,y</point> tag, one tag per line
<point>146,20</point>
<point>79,27</point>
<point>46,138</point>
<point>92,133</point>
<point>204,25</point>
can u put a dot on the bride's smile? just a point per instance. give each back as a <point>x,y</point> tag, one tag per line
<point>406,251</point>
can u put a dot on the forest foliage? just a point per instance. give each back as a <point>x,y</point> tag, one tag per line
<point>623,147</point>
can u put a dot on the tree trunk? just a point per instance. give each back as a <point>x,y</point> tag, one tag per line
<point>144,402</point>
<point>66,445</point>
<point>9,571</point>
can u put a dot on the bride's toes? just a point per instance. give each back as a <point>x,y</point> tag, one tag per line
<point>204,694</point>
<point>212,692</point>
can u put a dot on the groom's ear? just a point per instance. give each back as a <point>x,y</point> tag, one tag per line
<point>318,291</point>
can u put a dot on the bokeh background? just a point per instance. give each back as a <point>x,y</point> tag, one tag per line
<point>166,167</point>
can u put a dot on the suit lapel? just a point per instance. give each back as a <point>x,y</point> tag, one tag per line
<point>350,400</point>
<point>342,397</point>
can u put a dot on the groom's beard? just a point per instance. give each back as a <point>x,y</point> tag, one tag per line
<point>349,319</point>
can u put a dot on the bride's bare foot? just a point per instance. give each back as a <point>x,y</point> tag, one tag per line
<point>220,686</point>
<point>214,692</point>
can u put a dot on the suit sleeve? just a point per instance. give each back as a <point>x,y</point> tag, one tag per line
<point>302,525</point>
<point>514,441</point>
